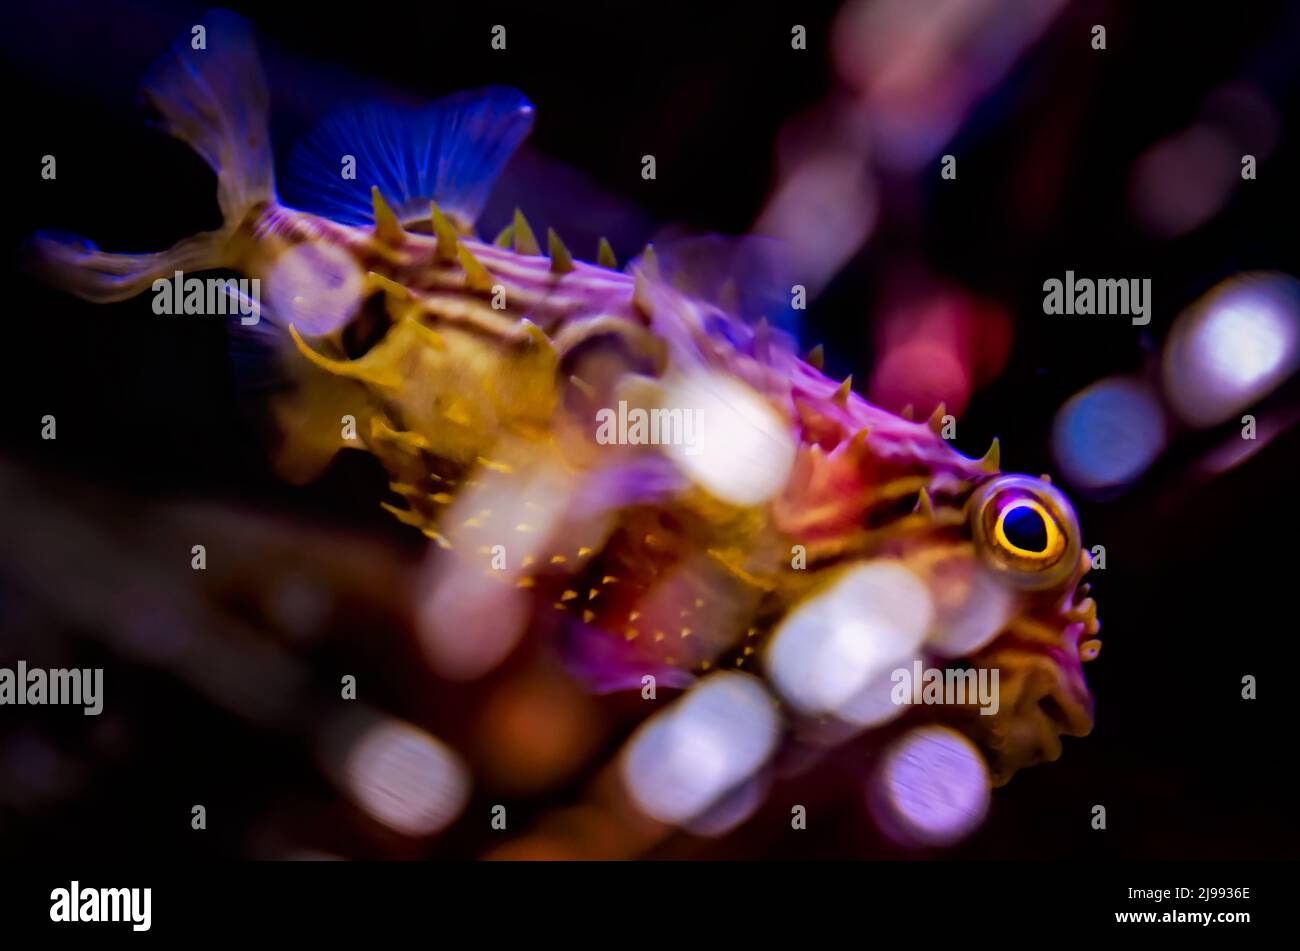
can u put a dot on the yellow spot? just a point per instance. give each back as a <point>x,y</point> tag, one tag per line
<point>494,466</point>
<point>558,559</point>
<point>609,579</point>
<point>686,632</point>
<point>591,595</point>
<point>583,552</point>
<point>522,527</point>
<point>569,595</point>
<point>527,560</point>
<point>442,498</point>
<point>632,634</point>
<point>659,636</point>
<point>588,616</point>
<point>526,581</point>
<point>471,523</point>
<point>634,615</point>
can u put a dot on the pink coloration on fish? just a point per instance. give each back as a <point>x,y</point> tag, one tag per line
<point>613,460</point>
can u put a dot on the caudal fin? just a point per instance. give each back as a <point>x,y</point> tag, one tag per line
<point>210,92</point>
<point>77,266</point>
<point>215,99</point>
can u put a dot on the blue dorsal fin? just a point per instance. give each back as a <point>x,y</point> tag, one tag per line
<point>450,151</point>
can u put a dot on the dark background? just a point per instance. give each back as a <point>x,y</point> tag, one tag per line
<point>1200,584</point>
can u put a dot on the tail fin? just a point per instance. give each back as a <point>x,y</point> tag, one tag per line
<point>210,93</point>
<point>77,266</point>
<point>215,100</point>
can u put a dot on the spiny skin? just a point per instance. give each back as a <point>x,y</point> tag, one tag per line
<point>454,378</point>
<point>453,394</point>
<point>475,371</point>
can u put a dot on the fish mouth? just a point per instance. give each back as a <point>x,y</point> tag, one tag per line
<point>1043,698</point>
<point>1044,694</point>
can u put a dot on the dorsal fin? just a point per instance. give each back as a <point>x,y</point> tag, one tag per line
<point>449,152</point>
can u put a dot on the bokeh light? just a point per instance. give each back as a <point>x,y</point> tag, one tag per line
<point>1232,348</point>
<point>842,640</point>
<point>971,604</point>
<point>743,451</point>
<point>825,208</point>
<point>937,346</point>
<point>1108,434</point>
<point>316,287</point>
<point>687,759</point>
<point>921,65</point>
<point>1183,181</point>
<point>874,704</point>
<point>396,773</point>
<point>536,729</point>
<point>931,788</point>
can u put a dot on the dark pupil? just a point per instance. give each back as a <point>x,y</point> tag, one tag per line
<point>1024,528</point>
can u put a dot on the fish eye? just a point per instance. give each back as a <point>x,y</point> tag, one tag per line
<point>1024,530</point>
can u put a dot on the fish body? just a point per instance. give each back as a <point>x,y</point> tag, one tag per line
<point>611,458</point>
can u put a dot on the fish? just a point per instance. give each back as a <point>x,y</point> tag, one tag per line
<point>618,462</point>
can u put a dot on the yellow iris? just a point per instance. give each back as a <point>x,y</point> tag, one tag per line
<point>1054,539</point>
